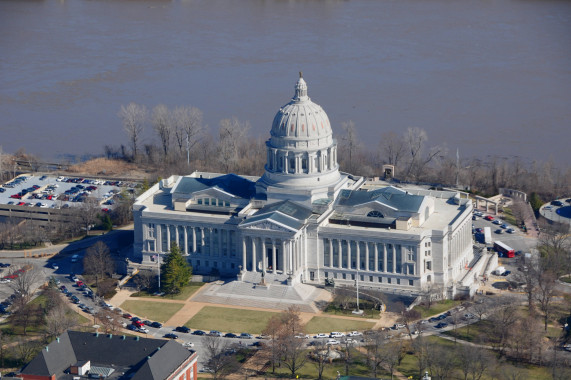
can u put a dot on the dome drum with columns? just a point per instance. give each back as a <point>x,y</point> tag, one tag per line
<point>301,152</point>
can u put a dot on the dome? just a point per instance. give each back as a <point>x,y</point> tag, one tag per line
<point>301,119</point>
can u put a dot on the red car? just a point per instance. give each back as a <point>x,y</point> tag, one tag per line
<point>489,217</point>
<point>80,284</point>
<point>139,324</point>
<point>127,316</point>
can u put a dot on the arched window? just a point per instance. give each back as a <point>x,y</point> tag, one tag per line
<point>375,214</point>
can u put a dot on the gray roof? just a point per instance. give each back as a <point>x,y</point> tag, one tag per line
<point>144,358</point>
<point>286,213</point>
<point>389,196</point>
<point>230,183</point>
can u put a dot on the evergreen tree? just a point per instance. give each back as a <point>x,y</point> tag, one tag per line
<point>175,271</point>
<point>535,202</point>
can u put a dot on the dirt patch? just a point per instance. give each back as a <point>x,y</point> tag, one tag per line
<point>106,167</point>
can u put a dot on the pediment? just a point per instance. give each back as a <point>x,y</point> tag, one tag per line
<point>268,225</point>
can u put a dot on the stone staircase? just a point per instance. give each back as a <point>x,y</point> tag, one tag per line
<point>275,295</point>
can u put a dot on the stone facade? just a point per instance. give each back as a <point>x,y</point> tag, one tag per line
<point>307,221</point>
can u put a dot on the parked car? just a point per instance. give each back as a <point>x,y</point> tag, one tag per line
<point>171,336</point>
<point>398,326</point>
<point>198,332</point>
<point>230,335</point>
<point>441,325</point>
<point>332,342</point>
<point>182,329</point>
<point>489,217</point>
<point>246,336</point>
<point>497,222</point>
<point>355,333</point>
<point>215,333</point>
<point>156,325</point>
<point>336,334</point>
<point>321,335</point>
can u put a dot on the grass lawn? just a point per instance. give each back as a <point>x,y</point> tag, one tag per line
<point>230,320</point>
<point>186,292</point>
<point>437,308</point>
<point>509,217</point>
<point>328,324</point>
<point>470,333</point>
<point>155,311</point>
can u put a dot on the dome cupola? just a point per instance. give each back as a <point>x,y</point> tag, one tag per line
<point>301,151</point>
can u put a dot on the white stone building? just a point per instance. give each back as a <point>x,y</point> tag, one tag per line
<point>307,221</point>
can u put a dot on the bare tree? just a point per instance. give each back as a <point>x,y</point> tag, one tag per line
<point>133,117</point>
<point>28,278</point>
<point>546,282</point>
<point>163,125</point>
<point>59,319</point>
<point>230,136</point>
<point>98,262</point>
<point>272,330</point>
<point>320,356</point>
<point>502,320</point>
<point>292,349</point>
<point>87,212</point>
<point>441,361</point>
<point>188,126</point>
<point>421,348</point>
<point>407,318</point>
<point>473,361</point>
<point>392,147</point>
<point>220,364</point>
<point>351,143</point>
<point>109,321</point>
<point>373,347</point>
<point>391,355</point>
<point>145,279</point>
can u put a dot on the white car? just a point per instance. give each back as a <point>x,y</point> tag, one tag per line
<point>336,334</point>
<point>332,342</point>
<point>143,330</point>
<point>321,335</point>
<point>350,341</point>
<point>302,336</point>
<point>355,333</point>
<point>188,344</point>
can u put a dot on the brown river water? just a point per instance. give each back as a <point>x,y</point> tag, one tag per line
<point>487,77</point>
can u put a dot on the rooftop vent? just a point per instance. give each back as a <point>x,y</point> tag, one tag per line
<point>110,336</point>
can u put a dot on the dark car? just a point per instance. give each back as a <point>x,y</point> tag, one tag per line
<point>506,273</point>
<point>557,203</point>
<point>182,329</point>
<point>230,335</point>
<point>132,328</point>
<point>148,323</point>
<point>246,336</point>
<point>198,332</point>
<point>127,316</point>
<point>441,325</point>
<point>171,336</point>
<point>135,319</point>
<point>433,319</point>
<point>156,325</point>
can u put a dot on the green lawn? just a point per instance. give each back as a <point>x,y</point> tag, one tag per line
<point>230,320</point>
<point>471,332</point>
<point>328,324</point>
<point>156,311</point>
<point>437,308</point>
<point>186,292</point>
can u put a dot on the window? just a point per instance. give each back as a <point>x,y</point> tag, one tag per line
<point>197,263</point>
<point>344,276</point>
<point>227,204</point>
<point>304,164</point>
<point>232,265</point>
<point>352,277</point>
<point>429,265</point>
<point>380,279</point>
<point>370,278</point>
<point>375,214</point>
<point>398,281</point>
<point>388,280</point>
<point>213,201</point>
<point>207,263</point>
<point>151,230</point>
<point>326,274</point>
<point>199,201</point>
<point>151,245</point>
<point>207,201</point>
<point>411,282</point>
<point>428,253</point>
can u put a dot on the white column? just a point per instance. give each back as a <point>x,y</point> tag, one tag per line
<point>264,256</point>
<point>385,269</point>
<point>394,253</point>
<point>168,237</point>
<point>176,237</point>
<point>367,256</point>
<point>331,264</point>
<point>274,262</point>
<point>185,240</point>
<point>254,262</point>
<point>219,253</point>
<point>193,239</point>
<point>244,263</point>
<point>211,242</point>
<point>284,257</point>
<point>339,254</point>
<point>376,246</point>
<point>349,258</point>
<point>357,245</point>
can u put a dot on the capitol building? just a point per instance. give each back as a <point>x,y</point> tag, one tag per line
<point>305,221</point>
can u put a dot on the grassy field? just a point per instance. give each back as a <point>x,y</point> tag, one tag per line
<point>471,332</point>
<point>155,311</point>
<point>182,296</point>
<point>230,320</point>
<point>437,308</point>
<point>328,324</point>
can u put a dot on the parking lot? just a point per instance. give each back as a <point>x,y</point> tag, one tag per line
<point>44,191</point>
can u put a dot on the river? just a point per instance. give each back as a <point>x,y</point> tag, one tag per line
<point>487,77</point>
